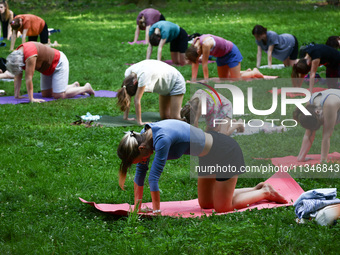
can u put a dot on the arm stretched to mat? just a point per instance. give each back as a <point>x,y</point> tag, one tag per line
<point>307,142</point>
<point>149,51</point>
<point>30,68</point>
<point>160,48</point>
<point>24,33</point>
<point>269,55</point>
<point>13,39</point>
<point>258,56</point>
<point>138,191</point>
<point>147,29</point>
<point>194,71</point>
<point>206,47</point>
<point>330,111</point>
<point>155,196</point>
<point>314,68</point>
<point>138,106</point>
<point>17,86</point>
<point>136,34</point>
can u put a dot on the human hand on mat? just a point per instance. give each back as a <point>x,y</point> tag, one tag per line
<point>304,159</point>
<point>140,123</point>
<point>143,123</point>
<point>145,210</point>
<point>34,100</point>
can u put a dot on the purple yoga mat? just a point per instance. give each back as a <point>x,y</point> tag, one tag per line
<point>12,100</point>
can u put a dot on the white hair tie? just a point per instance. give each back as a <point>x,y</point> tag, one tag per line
<point>131,133</point>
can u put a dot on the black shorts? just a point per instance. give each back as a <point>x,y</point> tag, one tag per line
<point>43,36</point>
<point>225,157</point>
<point>180,44</point>
<point>294,54</point>
<point>161,17</point>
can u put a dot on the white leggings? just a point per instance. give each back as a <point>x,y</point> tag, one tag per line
<point>58,81</point>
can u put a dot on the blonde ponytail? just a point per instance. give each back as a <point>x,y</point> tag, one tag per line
<point>124,99</point>
<point>128,151</point>
<point>189,111</point>
<point>128,90</point>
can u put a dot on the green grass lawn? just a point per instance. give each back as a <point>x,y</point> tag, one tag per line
<point>46,164</point>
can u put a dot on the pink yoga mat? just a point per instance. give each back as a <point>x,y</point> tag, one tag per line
<point>217,79</point>
<point>265,77</point>
<point>13,100</point>
<point>315,89</point>
<point>282,182</point>
<point>292,160</point>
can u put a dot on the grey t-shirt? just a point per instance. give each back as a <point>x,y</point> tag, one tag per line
<point>283,44</point>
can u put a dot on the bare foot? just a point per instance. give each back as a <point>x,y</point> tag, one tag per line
<point>273,195</point>
<point>257,73</point>
<point>55,44</point>
<point>89,89</point>
<point>6,75</point>
<point>75,84</point>
<point>260,185</point>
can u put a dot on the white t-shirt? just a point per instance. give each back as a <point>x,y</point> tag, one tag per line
<point>157,76</point>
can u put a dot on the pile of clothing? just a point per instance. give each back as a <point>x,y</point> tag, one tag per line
<point>320,204</point>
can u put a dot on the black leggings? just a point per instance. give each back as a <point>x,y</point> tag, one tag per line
<point>43,36</point>
<point>4,28</point>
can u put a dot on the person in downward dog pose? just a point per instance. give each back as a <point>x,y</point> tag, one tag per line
<point>164,32</point>
<point>145,19</point>
<point>315,55</point>
<point>325,109</point>
<point>157,77</point>
<point>31,26</point>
